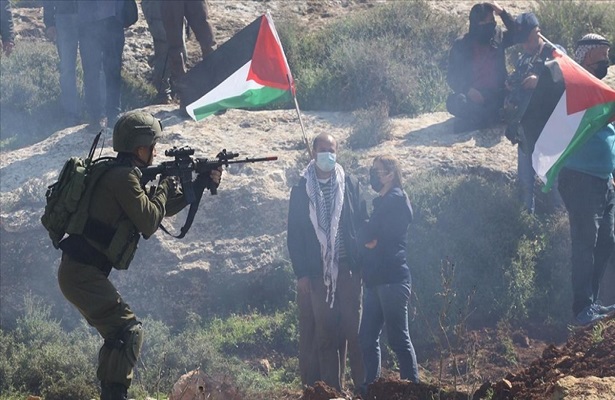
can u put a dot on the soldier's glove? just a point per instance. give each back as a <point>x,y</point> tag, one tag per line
<point>170,185</point>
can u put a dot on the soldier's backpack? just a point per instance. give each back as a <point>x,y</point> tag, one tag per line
<point>73,189</point>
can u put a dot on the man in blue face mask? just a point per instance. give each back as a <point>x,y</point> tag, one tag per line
<point>477,69</point>
<point>325,213</point>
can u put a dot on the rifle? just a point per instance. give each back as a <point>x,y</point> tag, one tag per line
<point>183,167</point>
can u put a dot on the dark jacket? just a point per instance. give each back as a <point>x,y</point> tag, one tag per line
<point>459,75</point>
<point>303,245</point>
<point>6,22</point>
<point>53,7</point>
<point>388,224</point>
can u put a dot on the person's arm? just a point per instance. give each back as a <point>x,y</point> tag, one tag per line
<point>508,37</point>
<point>145,213</point>
<point>455,76</point>
<point>390,218</point>
<point>295,239</point>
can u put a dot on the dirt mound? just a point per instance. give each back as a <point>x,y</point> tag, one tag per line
<point>589,352</point>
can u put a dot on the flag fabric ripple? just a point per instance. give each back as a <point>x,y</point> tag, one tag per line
<point>567,107</point>
<point>249,70</point>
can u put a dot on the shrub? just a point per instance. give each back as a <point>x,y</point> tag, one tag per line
<point>40,358</point>
<point>506,262</point>
<point>372,127</point>
<point>391,53</point>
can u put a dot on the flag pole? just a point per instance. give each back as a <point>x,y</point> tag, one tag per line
<point>305,140</point>
<point>547,41</point>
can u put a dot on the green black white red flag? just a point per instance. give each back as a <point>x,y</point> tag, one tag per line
<point>249,70</point>
<point>567,107</point>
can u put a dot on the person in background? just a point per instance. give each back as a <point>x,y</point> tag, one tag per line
<point>62,27</point>
<point>386,274</point>
<point>325,212</point>
<point>195,13</point>
<point>6,27</point>
<point>586,186</point>
<point>520,85</point>
<point>161,68</point>
<point>477,69</point>
<point>101,44</point>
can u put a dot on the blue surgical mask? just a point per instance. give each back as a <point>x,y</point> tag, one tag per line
<point>325,161</point>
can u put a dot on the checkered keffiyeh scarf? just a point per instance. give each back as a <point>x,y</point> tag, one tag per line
<point>326,226</point>
<point>582,49</point>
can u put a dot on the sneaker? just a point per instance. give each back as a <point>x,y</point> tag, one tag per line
<point>163,98</point>
<point>604,309</point>
<point>589,314</point>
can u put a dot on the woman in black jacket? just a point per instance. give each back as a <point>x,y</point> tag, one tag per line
<point>386,275</point>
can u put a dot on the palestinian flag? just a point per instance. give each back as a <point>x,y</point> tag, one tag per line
<point>567,107</point>
<point>249,70</point>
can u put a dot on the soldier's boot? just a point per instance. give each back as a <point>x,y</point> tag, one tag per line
<point>113,391</point>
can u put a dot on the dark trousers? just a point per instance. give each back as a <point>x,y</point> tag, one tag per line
<point>477,115</point>
<point>590,202</point>
<point>67,41</point>
<point>196,14</point>
<point>387,304</point>
<point>327,334</point>
<point>101,47</point>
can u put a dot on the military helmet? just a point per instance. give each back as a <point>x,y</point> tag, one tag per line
<point>135,129</point>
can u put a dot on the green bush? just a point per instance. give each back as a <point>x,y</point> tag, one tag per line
<point>392,53</point>
<point>371,127</point>
<point>505,263</point>
<point>30,94</point>
<point>40,358</point>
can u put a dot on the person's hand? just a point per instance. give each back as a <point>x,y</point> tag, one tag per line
<point>8,47</point>
<point>530,82</point>
<point>303,286</point>
<point>51,33</point>
<point>496,7</point>
<point>475,96</point>
<point>216,175</point>
<point>372,244</point>
<point>172,185</point>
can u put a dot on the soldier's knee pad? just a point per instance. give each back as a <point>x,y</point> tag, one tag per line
<point>133,340</point>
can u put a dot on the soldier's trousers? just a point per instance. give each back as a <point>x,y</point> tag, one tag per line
<point>88,289</point>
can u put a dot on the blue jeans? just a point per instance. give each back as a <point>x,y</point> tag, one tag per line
<point>590,202</point>
<point>387,304</point>
<point>527,178</point>
<point>67,41</point>
<point>101,47</point>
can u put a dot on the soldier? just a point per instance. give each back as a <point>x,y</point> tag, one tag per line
<point>119,212</point>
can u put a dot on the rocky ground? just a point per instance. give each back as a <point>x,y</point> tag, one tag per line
<point>423,143</point>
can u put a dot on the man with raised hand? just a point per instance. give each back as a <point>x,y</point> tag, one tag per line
<point>477,69</point>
